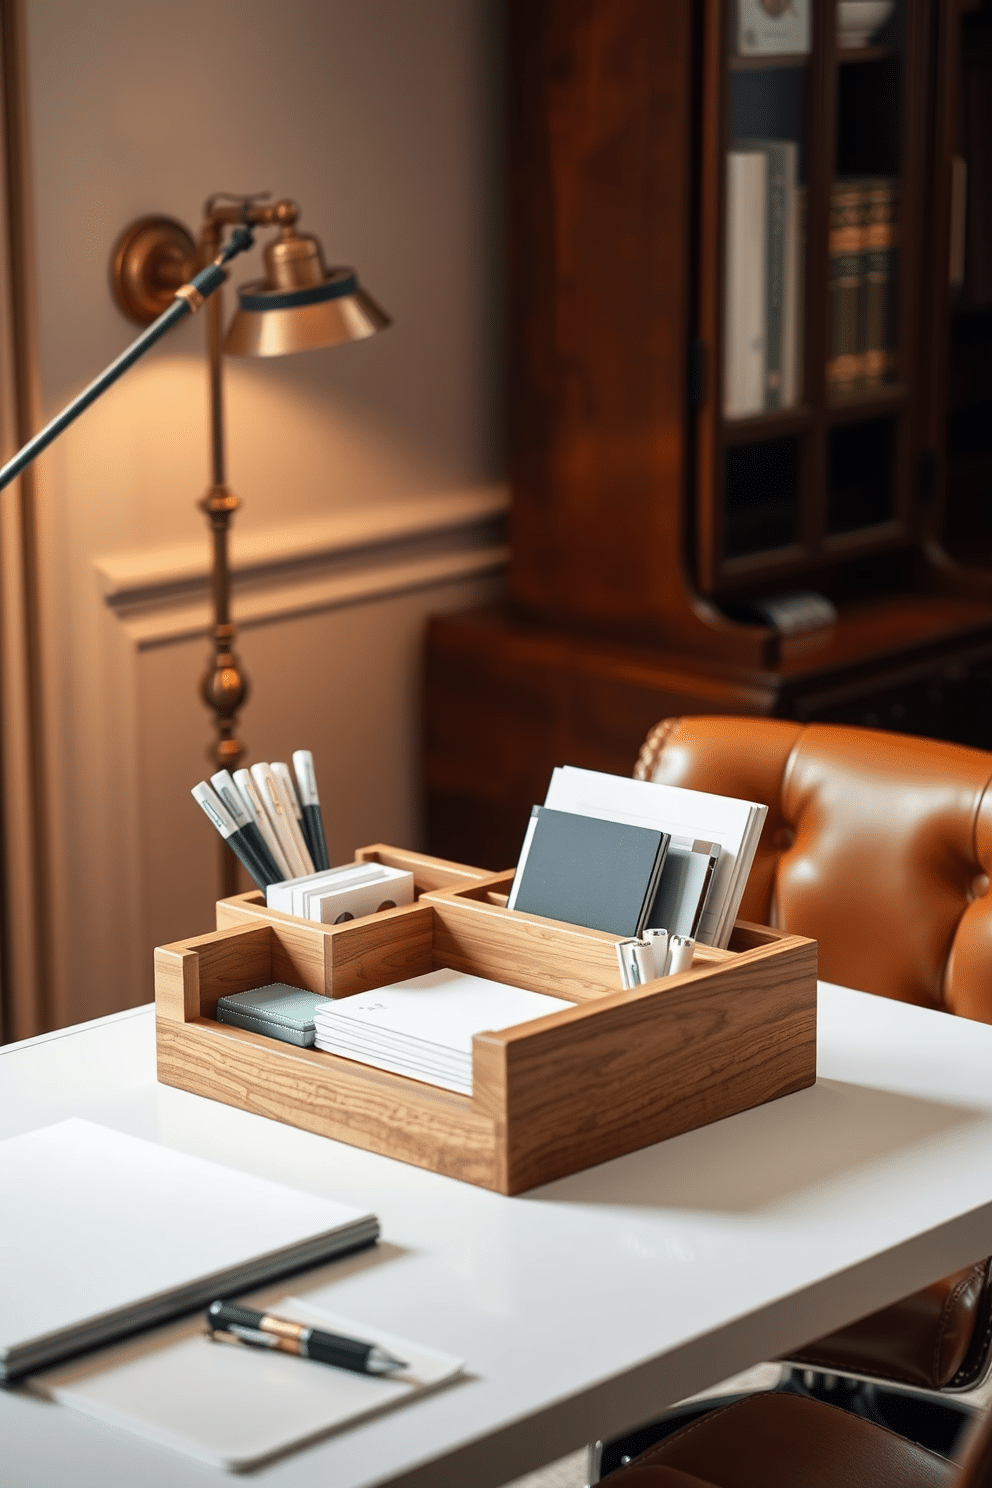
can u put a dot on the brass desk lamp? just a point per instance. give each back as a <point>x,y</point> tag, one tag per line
<point>159,275</point>
<point>299,305</point>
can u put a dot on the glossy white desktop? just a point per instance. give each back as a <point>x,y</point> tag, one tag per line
<point>585,1307</point>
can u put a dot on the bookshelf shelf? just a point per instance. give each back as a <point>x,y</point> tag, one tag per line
<point>771,62</point>
<point>854,55</point>
<point>851,407</point>
<point>768,425</point>
<point>867,538</point>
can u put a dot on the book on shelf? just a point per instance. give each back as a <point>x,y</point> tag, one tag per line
<point>763,302</point>
<point>744,298</point>
<point>765,27</point>
<point>880,321</point>
<point>861,284</point>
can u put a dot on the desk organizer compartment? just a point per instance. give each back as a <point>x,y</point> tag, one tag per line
<point>617,1071</point>
<point>428,874</point>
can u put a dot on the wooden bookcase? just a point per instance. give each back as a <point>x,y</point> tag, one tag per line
<point>645,523</point>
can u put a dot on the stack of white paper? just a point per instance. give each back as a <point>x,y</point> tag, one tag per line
<point>688,815</point>
<point>103,1234</point>
<point>237,1407</point>
<point>423,1027</point>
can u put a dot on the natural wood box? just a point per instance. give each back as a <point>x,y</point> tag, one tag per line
<point>616,1071</point>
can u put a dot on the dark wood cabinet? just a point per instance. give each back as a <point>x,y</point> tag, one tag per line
<point>650,516</point>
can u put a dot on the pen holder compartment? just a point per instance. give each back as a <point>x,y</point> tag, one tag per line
<point>614,1071</point>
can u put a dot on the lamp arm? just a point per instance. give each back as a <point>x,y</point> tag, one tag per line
<point>189,298</point>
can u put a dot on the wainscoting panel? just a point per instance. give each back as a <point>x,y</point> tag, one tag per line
<point>330,636</point>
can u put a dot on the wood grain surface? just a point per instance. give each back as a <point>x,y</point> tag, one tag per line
<point>337,1098</point>
<point>633,1069</point>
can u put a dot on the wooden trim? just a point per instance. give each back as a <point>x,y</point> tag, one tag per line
<point>164,614</point>
<point>712,255</point>
<point>160,575</point>
<point>27,995</point>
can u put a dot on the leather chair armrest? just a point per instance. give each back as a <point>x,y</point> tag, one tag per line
<point>779,1441</point>
<point>923,1340</point>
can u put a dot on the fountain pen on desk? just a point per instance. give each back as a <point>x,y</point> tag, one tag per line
<point>262,1330</point>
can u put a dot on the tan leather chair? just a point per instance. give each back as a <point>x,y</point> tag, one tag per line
<point>781,1441</point>
<point>878,846</point>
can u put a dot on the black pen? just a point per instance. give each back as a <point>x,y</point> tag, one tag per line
<point>262,1330</point>
<point>232,798</point>
<point>235,837</point>
<point>306,779</point>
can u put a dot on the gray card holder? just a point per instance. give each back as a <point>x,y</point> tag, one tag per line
<point>278,1011</point>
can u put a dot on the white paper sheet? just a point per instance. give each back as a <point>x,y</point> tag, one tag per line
<point>234,1406</point>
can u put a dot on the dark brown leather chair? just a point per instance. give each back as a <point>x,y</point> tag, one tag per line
<point>783,1441</point>
<point>878,846</point>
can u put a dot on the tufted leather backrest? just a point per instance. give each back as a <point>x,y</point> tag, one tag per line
<point>879,846</point>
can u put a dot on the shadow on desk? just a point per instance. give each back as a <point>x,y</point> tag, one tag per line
<point>774,1156</point>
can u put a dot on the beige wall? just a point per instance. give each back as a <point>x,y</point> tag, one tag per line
<point>371,474</point>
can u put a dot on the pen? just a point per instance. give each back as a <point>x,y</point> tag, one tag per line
<point>680,957</point>
<point>291,806</point>
<point>658,941</point>
<point>262,1330</point>
<point>243,820</point>
<point>256,808</point>
<point>213,807</point>
<point>306,780</point>
<point>268,789</point>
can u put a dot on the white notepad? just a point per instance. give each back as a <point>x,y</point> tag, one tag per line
<point>734,824</point>
<point>102,1233</point>
<point>234,1406</point>
<point>423,1027</point>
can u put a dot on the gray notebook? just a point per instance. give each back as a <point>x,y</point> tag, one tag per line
<point>587,871</point>
<point>103,1234</point>
<point>277,1010</point>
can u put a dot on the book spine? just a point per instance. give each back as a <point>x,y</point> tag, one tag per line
<point>780,192</point>
<point>793,305</point>
<point>744,301</point>
<point>880,323</point>
<point>845,363</point>
<point>794,302</point>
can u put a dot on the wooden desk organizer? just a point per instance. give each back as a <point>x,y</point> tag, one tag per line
<point>616,1071</point>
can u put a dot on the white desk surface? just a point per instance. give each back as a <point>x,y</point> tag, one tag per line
<point>584,1307</point>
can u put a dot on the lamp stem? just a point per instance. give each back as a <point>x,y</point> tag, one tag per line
<point>224,687</point>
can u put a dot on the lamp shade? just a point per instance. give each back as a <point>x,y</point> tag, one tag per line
<point>300,305</point>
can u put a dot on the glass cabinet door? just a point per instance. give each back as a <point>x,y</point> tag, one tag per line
<point>803,433</point>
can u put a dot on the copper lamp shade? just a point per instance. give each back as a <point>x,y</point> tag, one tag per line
<point>300,305</point>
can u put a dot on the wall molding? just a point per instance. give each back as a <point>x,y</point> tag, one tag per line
<point>162,594</point>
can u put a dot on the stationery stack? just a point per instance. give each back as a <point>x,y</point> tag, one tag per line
<point>706,854</point>
<point>423,1027</point>
<point>763,332</point>
<point>863,323</point>
<point>342,894</point>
